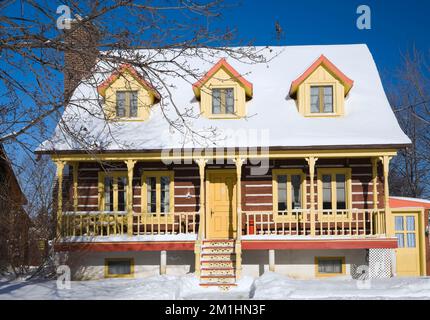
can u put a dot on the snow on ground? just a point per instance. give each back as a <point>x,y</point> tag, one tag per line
<point>268,286</point>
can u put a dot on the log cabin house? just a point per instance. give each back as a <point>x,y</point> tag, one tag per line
<point>297,183</point>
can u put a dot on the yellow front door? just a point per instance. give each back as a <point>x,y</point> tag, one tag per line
<point>407,231</point>
<point>221,207</point>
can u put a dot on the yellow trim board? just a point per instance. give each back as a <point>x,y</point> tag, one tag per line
<point>130,275</point>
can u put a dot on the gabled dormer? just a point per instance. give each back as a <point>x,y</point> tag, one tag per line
<point>321,90</point>
<point>127,95</point>
<point>223,92</point>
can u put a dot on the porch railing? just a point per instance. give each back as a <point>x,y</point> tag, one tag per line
<point>351,222</point>
<point>101,223</point>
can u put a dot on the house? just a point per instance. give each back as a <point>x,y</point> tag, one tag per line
<point>418,208</point>
<point>14,220</point>
<point>296,181</point>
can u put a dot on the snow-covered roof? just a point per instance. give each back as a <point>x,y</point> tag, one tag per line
<point>273,119</point>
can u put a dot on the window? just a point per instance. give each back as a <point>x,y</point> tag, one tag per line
<point>334,189</point>
<point>330,266</point>
<point>223,101</point>
<point>289,194</point>
<point>114,191</point>
<point>405,231</point>
<point>158,192</point>
<point>119,268</point>
<point>322,99</point>
<point>126,104</point>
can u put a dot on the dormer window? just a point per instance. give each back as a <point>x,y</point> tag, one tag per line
<point>223,92</point>
<point>223,101</point>
<point>321,90</point>
<point>322,99</point>
<point>127,96</point>
<point>126,104</point>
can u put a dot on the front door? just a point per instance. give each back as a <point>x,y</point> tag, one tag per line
<point>406,228</point>
<point>221,206</point>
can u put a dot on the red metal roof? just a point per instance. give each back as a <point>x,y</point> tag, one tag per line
<point>400,202</point>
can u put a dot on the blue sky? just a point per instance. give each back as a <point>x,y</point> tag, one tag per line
<point>396,25</point>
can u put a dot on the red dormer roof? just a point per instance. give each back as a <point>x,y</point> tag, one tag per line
<point>330,67</point>
<point>230,70</point>
<point>127,68</point>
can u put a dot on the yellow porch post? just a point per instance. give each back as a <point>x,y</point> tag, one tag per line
<point>375,182</point>
<point>75,185</point>
<point>238,245</point>
<point>388,219</point>
<point>311,162</point>
<point>202,222</point>
<point>60,167</point>
<point>130,166</point>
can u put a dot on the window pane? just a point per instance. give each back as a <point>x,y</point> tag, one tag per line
<point>410,223</point>
<point>327,192</point>
<point>120,104</point>
<point>296,191</point>
<point>410,240</point>
<point>108,194</point>
<point>151,192</point>
<point>315,100</point>
<point>328,99</point>
<point>330,266</point>
<point>398,222</point>
<point>340,192</point>
<point>216,101</point>
<point>122,198</point>
<point>400,240</point>
<point>133,103</point>
<point>119,267</point>
<point>165,194</point>
<point>229,100</point>
<point>282,193</point>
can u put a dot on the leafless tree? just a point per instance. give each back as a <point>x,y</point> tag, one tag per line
<point>410,99</point>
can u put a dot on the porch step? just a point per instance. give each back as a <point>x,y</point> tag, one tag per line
<point>219,279</point>
<point>217,272</point>
<point>215,250</point>
<point>218,261</point>
<point>217,264</point>
<point>218,257</point>
<point>218,243</point>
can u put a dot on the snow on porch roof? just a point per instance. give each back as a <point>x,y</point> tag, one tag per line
<point>273,119</point>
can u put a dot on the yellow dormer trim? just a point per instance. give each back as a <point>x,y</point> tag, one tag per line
<point>321,77</point>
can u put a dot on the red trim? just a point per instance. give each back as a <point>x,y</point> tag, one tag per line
<point>223,64</point>
<point>318,244</point>
<point>125,246</point>
<point>127,68</point>
<point>322,60</point>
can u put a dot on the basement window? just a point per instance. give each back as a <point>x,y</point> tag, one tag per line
<point>119,268</point>
<point>330,266</point>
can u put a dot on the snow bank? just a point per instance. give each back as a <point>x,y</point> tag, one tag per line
<point>268,286</point>
<point>275,286</point>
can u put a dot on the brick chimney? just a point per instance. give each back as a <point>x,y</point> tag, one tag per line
<point>80,53</point>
